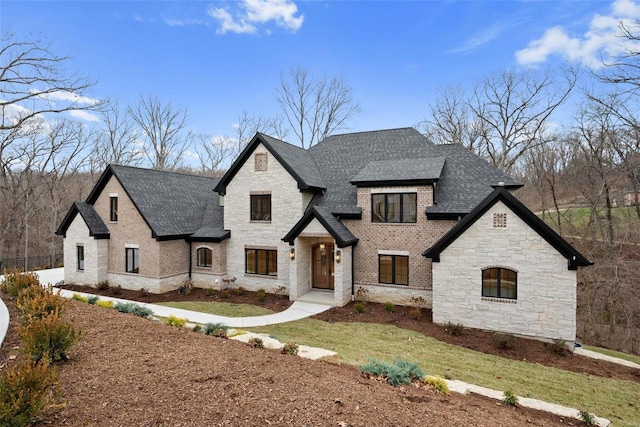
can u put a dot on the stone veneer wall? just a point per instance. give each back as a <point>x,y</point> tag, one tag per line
<point>546,302</point>
<point>95,255</point>
<point>287,207</point>
<point>413,238</point>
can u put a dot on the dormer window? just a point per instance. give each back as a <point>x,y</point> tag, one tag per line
<point>394,207</point>
<point>261,162</point>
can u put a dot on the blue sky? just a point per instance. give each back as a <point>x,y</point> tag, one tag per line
<point>217,59</point>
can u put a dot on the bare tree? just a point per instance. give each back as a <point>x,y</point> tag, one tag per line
<point>623,69</point>
<point>116,141</point>
<point>162,128</point>
<point>248,125</point>
<point>315,108</point>
<point>212,152</point>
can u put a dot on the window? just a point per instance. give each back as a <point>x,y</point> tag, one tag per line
<point>393,269</point>
<point>261,162</point>
<point>261,207</point>
<point>113,209</point>
<point>132,260</point>
<point>261,261</point>
<point>205,257</point>
<point>393,207</point>
<point>80,257</point>
<point>499,283</point>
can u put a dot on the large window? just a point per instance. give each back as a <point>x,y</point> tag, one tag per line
<point>261,207</point>
<point>499,283</point>
<point>393,207</point>
<point>393,269</point>
<point>80,257</point>
<point>261,261</point>
<point>205,257</point>
<point>132,260</point>
<point>113,209</point>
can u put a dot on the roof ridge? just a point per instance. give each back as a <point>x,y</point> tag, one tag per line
<point>162,171</point>
<point>372,131</point>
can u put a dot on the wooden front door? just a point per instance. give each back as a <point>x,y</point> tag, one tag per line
<point>322,271</point>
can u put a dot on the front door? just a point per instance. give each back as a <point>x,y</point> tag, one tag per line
<point>322,266</point>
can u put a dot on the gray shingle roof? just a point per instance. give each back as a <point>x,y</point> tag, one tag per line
<point>343,236</point>
<point>398,172</point>
<point>97,227</point>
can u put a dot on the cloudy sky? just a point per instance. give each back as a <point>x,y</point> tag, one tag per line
<point>218,58</point>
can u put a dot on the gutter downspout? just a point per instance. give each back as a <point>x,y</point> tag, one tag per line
<point>353,285</point>
<point>190,259</point>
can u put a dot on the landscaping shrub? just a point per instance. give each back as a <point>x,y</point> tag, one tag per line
<point>389,307</point>
<point>143,292</point>
<point>210,328</point>
<point>509,398</point>
<point>25,389</point>
<point>176,321</point>
<point>220,333</point>
<point>290,348</point>
<point>103,286</point>
<point>454,329</point>
<point>93,299</point>
<point>116,290</point>
<point>557,346</point>
<point>239,291</point>
<point>587,418</point>
<point>34,304</point>
<point>105,304</point>
<point>359,307</point>
<point>505,341</point>
<point>197,328</point>
<point>129,307</point>
<point>396,373</point>
<point>78,297</point>
<point>49,338</point>
<point>186,287</point>
<point>438,384</point>
<point>209,292</point>
<point>415,313</point>
<point>29,293</point>
<point>256,342</point>
<point>261,294</point>
<point>224,293</point>
<point>14,281</point>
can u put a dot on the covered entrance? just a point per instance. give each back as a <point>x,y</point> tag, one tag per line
<point>322,271</point>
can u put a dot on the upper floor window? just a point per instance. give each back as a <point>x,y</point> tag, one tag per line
<point>132,260</point>
<point>205,257</point>
<point>80,257</point>
<point>261,207</point>
<point>393,207</point>
<point>113,208</point>
<point>499,282</point>
<point>261,161</point>
<point>393,269</point>
<point>261,261</point>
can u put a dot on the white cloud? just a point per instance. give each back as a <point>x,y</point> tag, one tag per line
<point>602,40</point>
<point>283,12</point>
<point>482,38</point>
<point>84,115</point>
<point>63,95</point>
<point>184,22</point>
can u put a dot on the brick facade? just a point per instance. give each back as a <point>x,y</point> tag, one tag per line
<point>95,255</point>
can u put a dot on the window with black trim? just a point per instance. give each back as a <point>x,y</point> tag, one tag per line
<point>80,257</point>
<point>205,257</point>
<point>394,207</point>
<point>113,209</point>
<point>261,207</point>
<point>393,269</point>
<point>498,282</point>
<point>261,261</point>
<point>132,260</point>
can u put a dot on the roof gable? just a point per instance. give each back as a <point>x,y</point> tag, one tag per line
<point>337,229</point>
<point>575,259</point>
<point>97,227</point>
<point>295,160</point>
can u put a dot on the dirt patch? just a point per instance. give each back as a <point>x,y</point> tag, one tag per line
<point>132,371</point>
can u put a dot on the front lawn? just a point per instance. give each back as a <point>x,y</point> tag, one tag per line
<point>219,308</point>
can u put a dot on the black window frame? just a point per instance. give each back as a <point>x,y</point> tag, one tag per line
<point>257,252</point>
<point>393,269</point>
<point>499,271</point>
<point>135,256</point>
<point>262,214</point>
<point>401,208</point>
<point>80,257</point>
<point>208,257</point>
<point>113,208</point>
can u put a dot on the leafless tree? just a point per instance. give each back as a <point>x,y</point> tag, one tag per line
<point>162,128</point>
<point>315,108</point>
<point>623,69</point>
<point>212,152</point>
<point>116,140</point>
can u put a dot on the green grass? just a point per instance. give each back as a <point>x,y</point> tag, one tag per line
<point>613,353</point>
<point>356,342</point>
<point>220,308</point>
<point>579,217</point>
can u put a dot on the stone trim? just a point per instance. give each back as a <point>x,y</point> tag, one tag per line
<point>267,248</point>
<point>384,190</point>
<point>132,246</point>
<point>392,252</point>
<point>499,266</point>
<point>502,300</point>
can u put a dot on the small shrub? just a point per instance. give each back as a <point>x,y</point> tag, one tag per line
<point>103,286</point>
<point>256,342</point>
<point>261,294</point>
<point>93,299</point>
<point>239,291</point>
<point>375,367</point>
<point>29,293</point>
<point>505,341</point>
<point>25,389</point>
<point>415,313</point>
<point>186,287</point>
<point>129,307</point>
<point>176,321</point>
<point>116,290</point>
<point>143,292</point>
<point>220,333</point>
<point>197,328</point>
<point>35,304</point>
<point>14,281</point>
<point>396,373</point>
<point>224,293</point>
<point>455,329</point>
<point>587,418</point>
<point>105,303</point>
<point>438,384</point>
<point>209,292</point>
<point>509,398</point>
<point>359,307</point>
<point>210,328</point>
<point>557,346</point>
<point>362,293</point>
<point>290,348</point>
<point>49,338</point>
<point>389,307</point>
<point>78,297</point>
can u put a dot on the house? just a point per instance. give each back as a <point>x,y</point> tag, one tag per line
<point>363,214</point>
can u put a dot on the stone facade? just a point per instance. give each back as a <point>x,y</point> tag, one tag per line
<point>546,290</point>
<point>95,255</point>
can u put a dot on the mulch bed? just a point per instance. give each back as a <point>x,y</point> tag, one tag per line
<point>132,371</point>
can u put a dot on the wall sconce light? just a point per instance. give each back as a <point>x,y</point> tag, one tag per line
<point>292,254</point>
<point>322,246</point>
<point>338,256</point>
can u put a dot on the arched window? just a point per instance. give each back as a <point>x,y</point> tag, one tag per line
<point>205,257</point>
<point>498,282</point>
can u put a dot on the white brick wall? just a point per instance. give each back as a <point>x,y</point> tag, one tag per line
<point>95,255</point>
<point>546,303</point>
